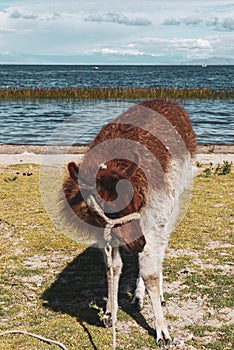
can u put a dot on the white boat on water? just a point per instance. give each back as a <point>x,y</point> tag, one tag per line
<point>204,65</point>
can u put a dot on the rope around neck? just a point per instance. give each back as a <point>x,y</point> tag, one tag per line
<point>109,225</point>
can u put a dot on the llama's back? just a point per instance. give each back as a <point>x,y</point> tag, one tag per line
<point>159,126</point>
<point>178,117</point>
<point>166,206</point>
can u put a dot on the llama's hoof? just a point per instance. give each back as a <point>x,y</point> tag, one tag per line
<point>168,342</point>
<point>163,303</point>
<point>161,342</point>
<point>107,320</point>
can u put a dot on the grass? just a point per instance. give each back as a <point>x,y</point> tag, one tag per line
<point>55,287</point>
<point>224,337</point>
<point>113,93</point>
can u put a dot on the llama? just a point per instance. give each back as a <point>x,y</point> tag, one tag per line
<point>127,192</point>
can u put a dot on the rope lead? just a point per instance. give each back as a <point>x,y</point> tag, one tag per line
<point>109,225</point>
<point>108,252</point>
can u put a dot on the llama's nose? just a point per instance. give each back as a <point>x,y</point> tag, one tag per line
<point>136,246</point>
<point>130,236</point>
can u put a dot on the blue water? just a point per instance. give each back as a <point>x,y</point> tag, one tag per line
<point>42,122</point>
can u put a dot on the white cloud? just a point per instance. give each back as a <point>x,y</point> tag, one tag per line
<point>191,43</point>
<point>108,51</point>
<point>8,30</point>
<point>118,18</point>
<point>193,48</point>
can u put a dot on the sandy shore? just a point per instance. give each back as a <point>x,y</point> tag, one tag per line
<point>54,155</point>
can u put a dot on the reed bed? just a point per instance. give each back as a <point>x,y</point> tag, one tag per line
<point>113,93</point>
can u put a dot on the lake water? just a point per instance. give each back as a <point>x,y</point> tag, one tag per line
<point>34,121</point>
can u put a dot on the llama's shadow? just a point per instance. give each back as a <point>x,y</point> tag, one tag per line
<point>80,290</point>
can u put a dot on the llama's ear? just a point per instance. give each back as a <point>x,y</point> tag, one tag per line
<point>73,171</point>
<point>133,166</point>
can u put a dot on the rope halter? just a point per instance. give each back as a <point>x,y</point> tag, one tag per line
<point>110,223</point>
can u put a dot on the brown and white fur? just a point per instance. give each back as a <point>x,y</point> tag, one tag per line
<point>172,147</point>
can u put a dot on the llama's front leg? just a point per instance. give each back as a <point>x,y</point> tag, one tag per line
<point>113,286</point>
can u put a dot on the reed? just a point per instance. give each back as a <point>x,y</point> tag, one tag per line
<point>113,93</point>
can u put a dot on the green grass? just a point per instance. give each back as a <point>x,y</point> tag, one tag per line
<point>212,284</point>
<point>55,287</point>
<point>113,93</point>
<point>224,338</point>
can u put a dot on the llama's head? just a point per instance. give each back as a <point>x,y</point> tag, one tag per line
<point>116,194</point>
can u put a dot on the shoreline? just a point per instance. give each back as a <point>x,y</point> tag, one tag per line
<point>61,155</point>
<point>38,149</point>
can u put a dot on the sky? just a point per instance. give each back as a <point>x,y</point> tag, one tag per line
<point>116,32</point>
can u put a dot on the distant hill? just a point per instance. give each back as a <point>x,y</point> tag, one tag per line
<point>212,61</point>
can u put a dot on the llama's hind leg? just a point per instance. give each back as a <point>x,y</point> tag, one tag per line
<point>153,288</point>
<point>139,294</point>
<point>150,271</point>
<point>112,300</point>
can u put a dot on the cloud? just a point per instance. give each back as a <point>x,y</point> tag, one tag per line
<point>212,22</point>
<point>120,19</point>
<point>215,22</point>
<point>228,24</point>
<point>16,14</point>
<point>189,21</point>
<point>193,48</point>
<point>186,20</point>
<point>181,48</point>
<point>192,21</point>
<point>109,51</point>
<point>8,30</point>
<point>158,47</point>
<point>171,22</point>
<point>191,44</point>
<point>29,16</point>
